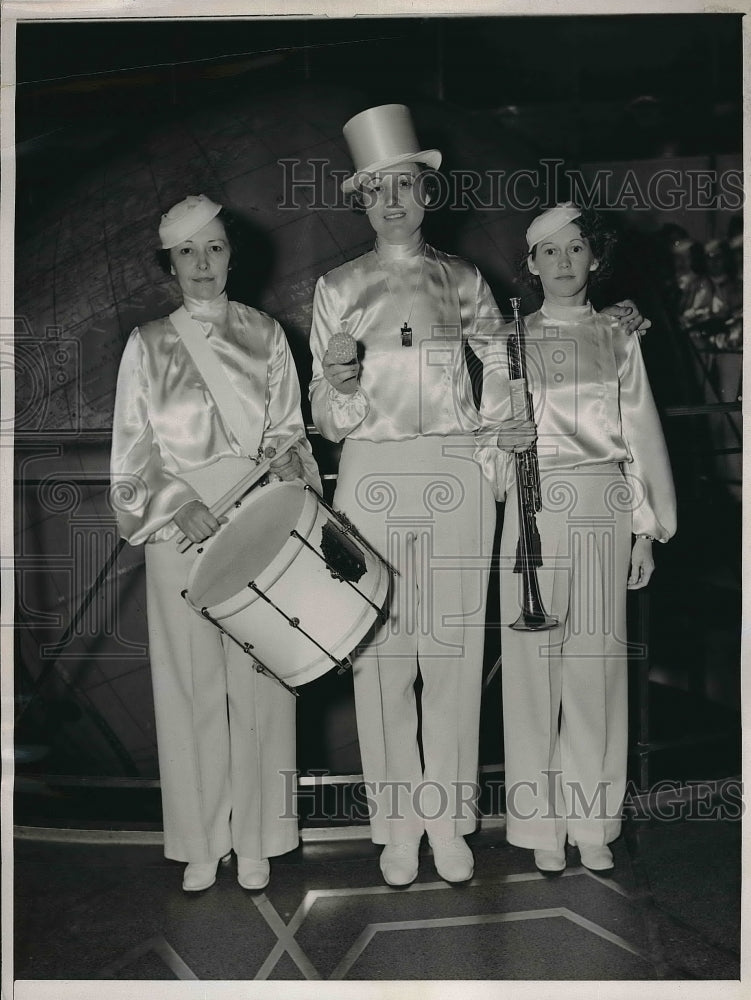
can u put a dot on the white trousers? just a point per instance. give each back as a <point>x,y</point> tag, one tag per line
<point>565,695</point>
<point>225,733</point>
<point>424,505</point>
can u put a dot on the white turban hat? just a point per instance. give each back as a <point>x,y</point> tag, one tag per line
<point>551,222</point>
<point>186,218</point>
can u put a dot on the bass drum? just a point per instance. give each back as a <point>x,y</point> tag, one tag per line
<point>286,577</point>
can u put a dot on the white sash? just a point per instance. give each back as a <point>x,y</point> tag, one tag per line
<point>229,404</point>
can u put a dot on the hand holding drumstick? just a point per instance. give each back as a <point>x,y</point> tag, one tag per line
<point>198,522</point>
<point>286,467</point>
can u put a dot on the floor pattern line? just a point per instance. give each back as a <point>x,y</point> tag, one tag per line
<point>612,884</point>
<point>369,932</point>
<point>286,933</point>
<point>285,942</point>
<point>307,904</point>
<point>161,947</point>
<point>605,934</point>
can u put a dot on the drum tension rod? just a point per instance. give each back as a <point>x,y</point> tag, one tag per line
<point>246,647</point>
<point>350,529</point>
<point>382,616</point>
<point>295,623</point>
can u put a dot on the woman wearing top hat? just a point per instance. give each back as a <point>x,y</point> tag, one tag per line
<point>224,732</point>
<point>406,479</point>
<point>604,474</point>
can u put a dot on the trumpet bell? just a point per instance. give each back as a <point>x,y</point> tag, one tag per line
<point>530,621</point>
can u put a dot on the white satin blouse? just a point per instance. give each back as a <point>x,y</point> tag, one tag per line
<point>592,405</point>
<point>166,421</point>
<point>404,392</point>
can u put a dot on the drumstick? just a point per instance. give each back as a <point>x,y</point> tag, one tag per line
<point>240,488</point>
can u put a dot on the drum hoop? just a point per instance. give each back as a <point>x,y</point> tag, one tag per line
<point>278,566</point>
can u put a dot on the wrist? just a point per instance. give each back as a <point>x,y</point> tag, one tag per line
<point>342,393</point>
<point>647,538</point>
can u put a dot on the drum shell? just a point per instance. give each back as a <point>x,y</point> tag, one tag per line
<point>298,582</point>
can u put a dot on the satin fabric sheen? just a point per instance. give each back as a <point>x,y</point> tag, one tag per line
<point>166,421</point>
<point>408,481</point>
<point>592,404</point>
<point>422,389</point>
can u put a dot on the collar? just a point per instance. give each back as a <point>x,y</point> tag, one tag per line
<point>211,311</point>
<point>389,252</point>
<point>566,314</point>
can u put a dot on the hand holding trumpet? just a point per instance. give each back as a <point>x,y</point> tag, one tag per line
<point>517,434</point>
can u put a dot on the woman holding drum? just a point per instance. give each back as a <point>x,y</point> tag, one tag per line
<point>202,394</point>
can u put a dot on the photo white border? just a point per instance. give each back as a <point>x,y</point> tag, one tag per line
<point>70,10</point>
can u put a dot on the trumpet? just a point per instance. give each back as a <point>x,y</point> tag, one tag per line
<point>533,617</point>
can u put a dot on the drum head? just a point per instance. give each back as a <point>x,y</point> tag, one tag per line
<point>242,549</point>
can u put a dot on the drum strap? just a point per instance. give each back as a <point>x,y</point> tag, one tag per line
<point>227,401</point>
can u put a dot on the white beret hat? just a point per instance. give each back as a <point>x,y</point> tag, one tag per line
<point>551,221</point>
<point>186,218</point>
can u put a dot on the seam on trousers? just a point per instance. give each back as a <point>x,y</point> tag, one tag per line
<point>194,743</point>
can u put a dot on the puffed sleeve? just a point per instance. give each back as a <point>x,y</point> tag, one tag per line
<point>143,494</point>
<point>488,343</point>
<point>480,322</point>
<point>495,409</point>
<point>284,417</point>
<point>335,413</point>
<point>649,472</point>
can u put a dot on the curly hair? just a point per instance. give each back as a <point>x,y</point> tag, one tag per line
<point>428,191</point>
<point>164,260</point>
<point>601,239</point>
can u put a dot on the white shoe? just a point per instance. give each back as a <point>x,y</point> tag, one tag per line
<point>198,876</point>
<point>597,859</point>
<point>550,862</point>
<point>253,874</point>
<point>452,858</point>
<point>400,862</point>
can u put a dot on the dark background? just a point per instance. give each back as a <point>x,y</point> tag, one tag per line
<point>637,85</point>
<point>116,121</point>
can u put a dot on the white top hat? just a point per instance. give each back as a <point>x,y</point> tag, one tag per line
<point>382,137</point>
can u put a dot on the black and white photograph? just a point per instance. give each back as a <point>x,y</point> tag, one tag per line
<point>372,539</point>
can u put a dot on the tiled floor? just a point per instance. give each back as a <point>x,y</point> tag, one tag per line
<point>671,912</point>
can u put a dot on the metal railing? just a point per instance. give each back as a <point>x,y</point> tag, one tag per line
<point>31,447</point>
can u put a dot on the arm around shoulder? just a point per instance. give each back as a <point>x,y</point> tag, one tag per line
<point>649,473</point>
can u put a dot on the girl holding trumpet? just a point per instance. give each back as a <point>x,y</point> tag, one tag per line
<point>606,495</point>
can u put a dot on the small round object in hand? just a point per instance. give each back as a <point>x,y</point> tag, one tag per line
<point>342,349</point>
